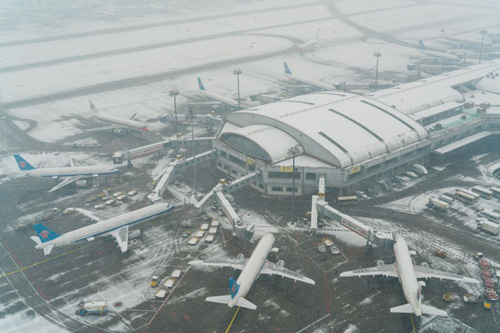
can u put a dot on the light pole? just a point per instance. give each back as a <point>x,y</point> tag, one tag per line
<point>237,72</point>
<point>377,55</point>
<point>174,93</point>
<point>483,32</point>
<point>293,151</point>
<point>191,116</point>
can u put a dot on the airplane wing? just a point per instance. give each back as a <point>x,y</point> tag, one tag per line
<point>88,214</point>
<point>427,273</point>
<point>233,263</point>
<point>273,269</point>
<point>384,270</point>
<point>65,182</point>
<point>121,236</point>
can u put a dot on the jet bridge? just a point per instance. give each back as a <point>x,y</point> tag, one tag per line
<point>127,155</point>
<point>240,228</point>
<point>320,206</point>
<point>174,167</point>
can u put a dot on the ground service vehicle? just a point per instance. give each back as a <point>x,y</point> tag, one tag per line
<point>92,308</point>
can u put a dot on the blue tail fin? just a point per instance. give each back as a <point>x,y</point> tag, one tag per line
<point>44,233</point>
<point>200,84</point>
<point>421,45</point>
<point>287,70</point>
<point>22,164</point>
<point>233,287</point>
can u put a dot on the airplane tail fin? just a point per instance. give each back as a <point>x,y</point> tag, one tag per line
<point>93,108</point>
<point>429,310</point>
<point>287,70</point>
<point>44,233</point>
<point>421,45</point>
<point>233,287</point>
<point>227,298</point>
<point>200,84</point>
<point>22,164</point>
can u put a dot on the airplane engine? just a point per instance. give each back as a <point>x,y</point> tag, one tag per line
<point>424,264</point>
<point>240,257</point>
<point>281,263</point>
<point>134,234</point>
<point>380,263</point>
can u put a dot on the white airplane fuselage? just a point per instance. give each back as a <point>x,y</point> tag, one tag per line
<point>407,276</point>
<point>103,228</point>
<point>72,171</point>
<point>120,121</point>
<point>307,45</point>
<point>314,83</point>
<point>252,268</point>
<point>440,55</point>
<point>219,98</point>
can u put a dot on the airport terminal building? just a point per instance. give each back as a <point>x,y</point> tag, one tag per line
<point>354,141</point>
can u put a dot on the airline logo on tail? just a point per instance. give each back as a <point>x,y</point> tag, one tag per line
<point>22,164</point>
<point>44,233</point>
<point>421,45</point>
<point>200,84</point>
<point>287,70</point>
<point>233,287</point>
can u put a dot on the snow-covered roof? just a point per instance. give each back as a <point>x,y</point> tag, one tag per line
<point>490,83</point>
<point>435,110</point>
<point>339,128</point>
<point>462,142</point>
<point>423,94</point>
<point>265,137</point>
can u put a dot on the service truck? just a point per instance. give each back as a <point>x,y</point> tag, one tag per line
<point>490,227</point>
<point>92,308</point>
<point>437,204</point>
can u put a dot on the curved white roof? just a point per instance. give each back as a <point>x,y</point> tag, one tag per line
<point>267,138</point>
<point>339,128</point>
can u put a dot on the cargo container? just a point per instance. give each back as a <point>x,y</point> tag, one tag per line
<point>176,273</point>
<point>160,294</point>
<point>204,226</point>
<point>92,308</point>
<point>490,227</point>
<point>170,282</point>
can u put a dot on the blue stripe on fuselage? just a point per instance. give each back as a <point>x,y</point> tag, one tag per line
<point>122,225</point>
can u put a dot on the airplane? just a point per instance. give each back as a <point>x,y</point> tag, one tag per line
<point>216,97</point>
<point>465,40</point>
<point>307,45</point>
<point>250,268</point>
<point>408,273</point>
<point>117,227</point>
<point>71,174</point>
<point>436,54</point>
<point>117,121</point>
<point>301,79</point>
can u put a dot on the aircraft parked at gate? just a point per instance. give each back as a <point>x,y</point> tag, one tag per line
<point>305,80</point>
<point>116,226</point>
<point>464,40</point>
<point>408,273</point>
<point>216,97</point>
<point>117,121</point>
<point>250,268</point>
<point>71,174</point>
